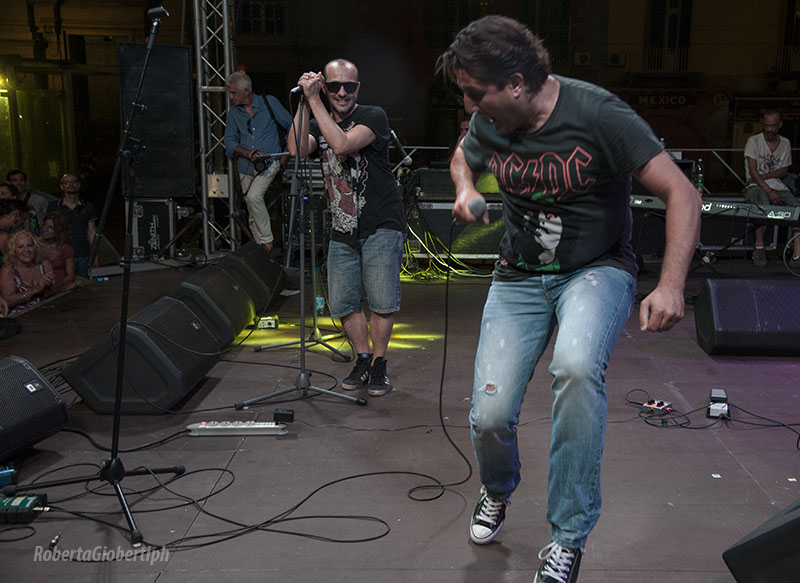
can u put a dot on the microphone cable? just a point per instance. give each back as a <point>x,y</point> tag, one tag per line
<point>478,208</point>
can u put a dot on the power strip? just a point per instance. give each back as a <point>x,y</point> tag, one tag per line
<point>657,406</point>
<point>237,428</point>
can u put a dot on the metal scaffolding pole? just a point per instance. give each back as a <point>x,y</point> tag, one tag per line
<point>213,61</point>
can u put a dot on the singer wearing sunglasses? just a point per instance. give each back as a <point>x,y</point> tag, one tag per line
<point>368,226</point>
<point>254,129</point>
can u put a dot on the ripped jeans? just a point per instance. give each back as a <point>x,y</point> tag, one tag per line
<point>591,306</point>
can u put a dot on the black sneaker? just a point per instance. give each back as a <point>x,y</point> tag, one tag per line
<point>379,383</point>
<point>488,518</point>
<point>559,564</point>
<point>359,375</point>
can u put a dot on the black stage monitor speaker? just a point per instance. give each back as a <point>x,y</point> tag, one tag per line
<point>771,553</point>
<point>257,272</point>
<point>31,409</point>
<point>163,165</point>
<point>169,350</point>
<point>735,316</point>
<point>218,300</point>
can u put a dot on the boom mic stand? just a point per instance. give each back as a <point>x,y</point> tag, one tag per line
<point>303,381</point>
<point>112,469</point>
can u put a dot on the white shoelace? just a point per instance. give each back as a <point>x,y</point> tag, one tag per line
<point>490,509</point>
<point>558,561</point>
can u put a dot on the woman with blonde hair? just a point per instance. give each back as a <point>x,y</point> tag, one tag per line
<point>25,277</point>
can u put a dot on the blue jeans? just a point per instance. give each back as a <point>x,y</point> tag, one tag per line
<point>591,307</point>
<point>371,271</point>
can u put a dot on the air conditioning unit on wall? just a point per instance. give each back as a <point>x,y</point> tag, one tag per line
<point>581,59</point>
<point>617,59</point>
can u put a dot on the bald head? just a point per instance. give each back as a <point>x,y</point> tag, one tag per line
<point>341,66</point>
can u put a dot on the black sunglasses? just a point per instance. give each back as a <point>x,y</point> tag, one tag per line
<point>334,86</point>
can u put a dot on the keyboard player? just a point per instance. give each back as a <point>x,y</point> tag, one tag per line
<point>768,156</point>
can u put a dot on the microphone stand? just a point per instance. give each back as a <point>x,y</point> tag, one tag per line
<point>315,337</point>
<point>303,381</point>
<point>112,469</point>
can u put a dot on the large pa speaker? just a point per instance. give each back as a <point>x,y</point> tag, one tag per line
<point>737,316</point>
<point>31,409</point>
<point>163,166</point>
<point>771,553</point>
<point>168,351</point>
<point>218,300</point>
<point>257,272</point>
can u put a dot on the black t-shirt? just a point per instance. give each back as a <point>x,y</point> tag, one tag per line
<point>78,219</point>
<point>362,191</point>
<point>566,186</point>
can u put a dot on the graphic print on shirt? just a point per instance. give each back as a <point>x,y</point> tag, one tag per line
<point>543,180</point>
<point>769,162</point>
<point>345,179</point>
<point>550,173</point>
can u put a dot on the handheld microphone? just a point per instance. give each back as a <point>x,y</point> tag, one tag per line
<point>477,206</point>
<point>155,14</point>
<point>406,161</point>
<point>295,90</point>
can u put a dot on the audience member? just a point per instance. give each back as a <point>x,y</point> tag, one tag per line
<point>36,200</point>
<point>7,191</point>
<point>57,251</point>
<point>24,278</point>
<point>12,219</point>
<point>81,216</point>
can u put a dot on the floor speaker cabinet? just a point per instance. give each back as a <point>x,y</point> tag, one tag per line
<point>218,300</point>
<point>469,241</point>
<point>168,351</point>
<point>163,164</point>
<point>748,317</point>
<point>31,409</point>
<point>259,274</point>
<point>771,553</point>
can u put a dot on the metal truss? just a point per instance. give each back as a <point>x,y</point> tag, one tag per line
<point>213,61</point>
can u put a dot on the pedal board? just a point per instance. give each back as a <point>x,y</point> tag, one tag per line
<point>657,406</point>
<point>237,428</point>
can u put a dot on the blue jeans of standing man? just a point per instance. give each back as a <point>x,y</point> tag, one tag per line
<point>591,307</point>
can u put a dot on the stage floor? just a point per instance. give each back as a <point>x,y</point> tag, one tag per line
<point>343,497</point>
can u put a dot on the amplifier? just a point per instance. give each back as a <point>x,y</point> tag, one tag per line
<point>435,184</point>
<point>153,226</point>
<point>470,241</point>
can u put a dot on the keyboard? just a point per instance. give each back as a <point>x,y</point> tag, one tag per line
<point>724,208</point>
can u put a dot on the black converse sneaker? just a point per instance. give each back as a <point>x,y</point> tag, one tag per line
<point>559,564</point>
<point>379,383</point>
<point>359,375</point>
<point>488,518</point>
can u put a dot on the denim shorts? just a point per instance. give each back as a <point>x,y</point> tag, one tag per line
<point>370,272</point>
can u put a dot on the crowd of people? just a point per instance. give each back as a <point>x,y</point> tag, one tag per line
<point>44,241</point>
